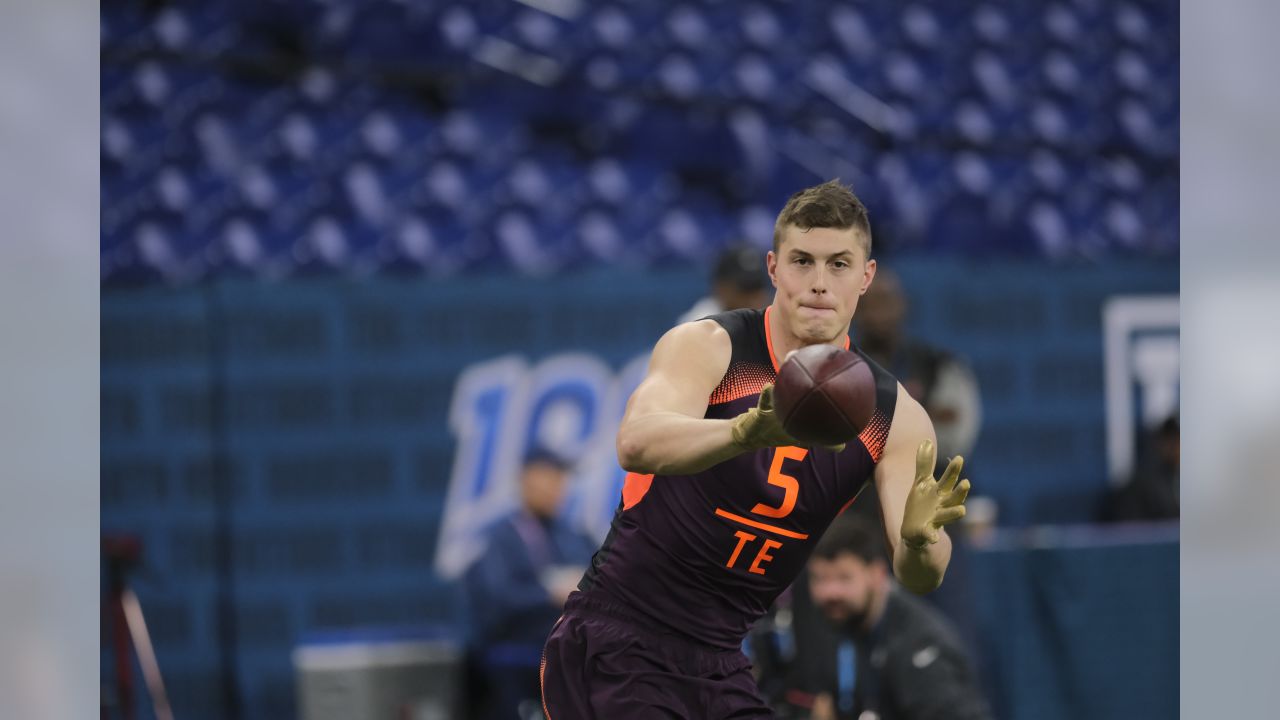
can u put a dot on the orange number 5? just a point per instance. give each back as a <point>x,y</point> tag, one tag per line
<point>789,484</point>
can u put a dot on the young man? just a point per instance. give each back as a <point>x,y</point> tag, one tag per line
<point>895,657</point>
<point>721,508</point>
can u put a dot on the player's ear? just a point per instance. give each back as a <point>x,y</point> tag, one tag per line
<point>771,264</point>
<point>868,274</point>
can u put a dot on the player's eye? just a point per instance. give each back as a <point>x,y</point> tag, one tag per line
<point>803,261</point>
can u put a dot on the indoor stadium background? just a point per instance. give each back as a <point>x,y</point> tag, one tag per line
<point>357,257</point>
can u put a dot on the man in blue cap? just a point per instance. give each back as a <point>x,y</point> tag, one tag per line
<point>517,588</point>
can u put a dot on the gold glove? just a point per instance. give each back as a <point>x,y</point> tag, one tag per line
<point>760,427</point>
<point>932,504</point>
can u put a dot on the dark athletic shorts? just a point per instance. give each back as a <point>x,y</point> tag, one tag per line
<point>605,662</point>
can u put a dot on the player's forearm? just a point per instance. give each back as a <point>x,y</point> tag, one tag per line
<point>920,570</point>
<point>669,443</point>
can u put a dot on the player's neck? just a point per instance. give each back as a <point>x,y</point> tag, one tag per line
<point>783,341</point>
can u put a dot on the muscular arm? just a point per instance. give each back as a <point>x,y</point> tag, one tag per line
<point>663,430</point>
<point>919,570</point>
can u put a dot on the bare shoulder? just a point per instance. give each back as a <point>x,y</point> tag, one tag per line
<point>705,331</point>
<point>687,364</point>
<point>698,347</point>
<point>911,425</point>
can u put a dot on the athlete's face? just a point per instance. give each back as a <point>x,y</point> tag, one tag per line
<point>845,587</point>
<point>819,273</point>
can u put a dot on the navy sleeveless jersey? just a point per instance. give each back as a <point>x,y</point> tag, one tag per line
<point>704,555</point>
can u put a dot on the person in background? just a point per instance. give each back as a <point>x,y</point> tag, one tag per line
<point>941,382</point>
<point>739,281</point>
<point>1152,492</point>
<point>516,589</point>
<point>892,656</point>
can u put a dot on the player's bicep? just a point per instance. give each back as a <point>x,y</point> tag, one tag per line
<point>895,473</point>
<point>662,392</point>
<point>685,367</point>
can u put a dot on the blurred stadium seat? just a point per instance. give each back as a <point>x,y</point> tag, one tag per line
<point>440,112</point>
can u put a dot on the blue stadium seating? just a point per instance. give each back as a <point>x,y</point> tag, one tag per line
<point>494,126</point>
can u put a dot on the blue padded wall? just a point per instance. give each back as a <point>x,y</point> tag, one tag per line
<point>327,403</point>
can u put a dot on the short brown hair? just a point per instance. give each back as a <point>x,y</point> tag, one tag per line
<point>829,205</point>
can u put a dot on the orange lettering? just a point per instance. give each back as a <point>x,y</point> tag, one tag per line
<point>743,539</point>
<point>790,486</point>
<point>764,556</point>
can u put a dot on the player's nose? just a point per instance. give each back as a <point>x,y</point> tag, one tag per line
<point>819,280</point>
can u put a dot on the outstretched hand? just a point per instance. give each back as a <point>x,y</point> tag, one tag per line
<point>932,504</point>
<point>761,427</point>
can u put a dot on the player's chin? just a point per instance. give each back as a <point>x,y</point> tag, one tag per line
<point>822,332</point>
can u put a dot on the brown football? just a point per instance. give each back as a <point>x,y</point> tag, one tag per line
<point>824,395</point>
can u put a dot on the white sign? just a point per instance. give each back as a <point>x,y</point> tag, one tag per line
<point>1140,342</point>
<point>570,403</point>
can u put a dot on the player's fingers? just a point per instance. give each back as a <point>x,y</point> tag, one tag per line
<point>925,455</point>
<point>948,515</point>
<point>958,496</point>
<point>766,397</point>
<point>951,474</point>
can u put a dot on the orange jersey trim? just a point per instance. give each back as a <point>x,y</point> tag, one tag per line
<point>846,505</point>
<point>761,526</point>
<point>875,435</point>
<point>634,488</point>
<point>740,380</point>
<point>542,684</point>
<point>768,338</point>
